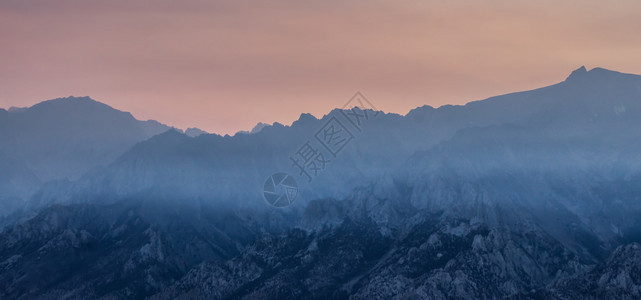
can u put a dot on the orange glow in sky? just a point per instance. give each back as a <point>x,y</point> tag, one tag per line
<point>223,66</point>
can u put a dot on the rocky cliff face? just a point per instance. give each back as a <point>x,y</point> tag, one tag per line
<point>618,277</point>
<point>136,251</point>
<point>446,259</point>
<point>127,250</point>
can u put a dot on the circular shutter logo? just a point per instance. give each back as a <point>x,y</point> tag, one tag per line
<point>280,190</point>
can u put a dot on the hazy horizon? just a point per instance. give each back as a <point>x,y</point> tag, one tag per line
<point>506,164</point>
<point>224,66</point>
<point>289,122</point>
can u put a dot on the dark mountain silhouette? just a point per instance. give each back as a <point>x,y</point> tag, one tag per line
<point>194,132</point>
<point>66,137</point>
<point>598,103</point>
<point>63,138</point>
<point>527,195</point>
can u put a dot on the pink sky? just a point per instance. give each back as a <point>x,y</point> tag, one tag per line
<point>225,65</point>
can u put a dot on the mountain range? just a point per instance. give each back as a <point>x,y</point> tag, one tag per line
<point>532,194</point>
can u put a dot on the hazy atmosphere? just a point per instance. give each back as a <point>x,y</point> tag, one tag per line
<point>223,66</point>
<point>206,150</point>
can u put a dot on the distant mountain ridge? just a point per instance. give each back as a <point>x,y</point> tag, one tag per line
<point>64,138</point>
<point>529,195</point>
<point>73,133</point>
<point>586,100</point>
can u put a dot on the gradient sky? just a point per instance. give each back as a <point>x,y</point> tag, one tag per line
<point>225,65</point>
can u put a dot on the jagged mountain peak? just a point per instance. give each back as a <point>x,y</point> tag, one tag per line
<point>420,109</point>
<point>258,127</point>
<point>304,119</point>
<point>172,134</point>
<point>194,132</point>
<point>597,74</point>
<point>578,73</point>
